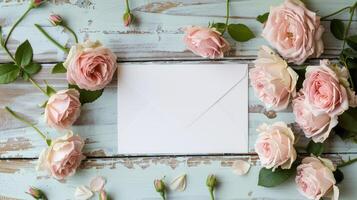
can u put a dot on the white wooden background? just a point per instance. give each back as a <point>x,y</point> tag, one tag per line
<point>157,38</point>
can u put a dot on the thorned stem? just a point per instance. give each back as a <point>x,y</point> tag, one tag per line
<point>346,163</point>
<point>64,49</point>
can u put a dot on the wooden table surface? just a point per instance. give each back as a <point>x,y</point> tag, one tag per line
<point>157,39</point>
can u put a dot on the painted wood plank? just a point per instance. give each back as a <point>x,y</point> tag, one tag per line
<point>161,23</point>
<point>98,122</point>
<point>132,179</point>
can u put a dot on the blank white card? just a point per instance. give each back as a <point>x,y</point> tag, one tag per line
<point>182,109</point>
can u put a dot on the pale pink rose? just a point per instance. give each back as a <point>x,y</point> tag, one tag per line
<point>275,146</point>
<point>62,158</point>
<point>323,91</point>
<point>294,31</point>
<point>63,109</point>
<point>205,42</point>
<point>273,80</point>
<point>317,127</point>
<point>90,65</point>
<point>315,179</point>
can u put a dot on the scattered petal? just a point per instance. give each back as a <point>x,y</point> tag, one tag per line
<point>241,167</point>
<point>82,193</point>
<point>179,183</point>
<point>97,184</point>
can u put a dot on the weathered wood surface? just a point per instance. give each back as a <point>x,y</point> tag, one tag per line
<point>158,38</point>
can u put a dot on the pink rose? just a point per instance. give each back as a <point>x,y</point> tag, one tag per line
<point>294,31</point>
<point>206,42</point>
<point>90,66</point>
<point>315,178</point>
<point>317,127</point>
<point>275,146</point>
<point>273,80</point>
<point>63,157</point>
<point>63,109</point>
<point>323,91</point>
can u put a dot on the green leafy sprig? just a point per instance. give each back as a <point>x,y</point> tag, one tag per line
<point>239,32</point>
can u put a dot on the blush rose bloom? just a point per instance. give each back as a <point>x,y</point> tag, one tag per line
<point>315,178</point>
<point>63,156</point>
<point>63,109</point>
<point>275,146</point>
<point>317,127</point>
<point>294,31</point>
<point>273,80</point>
<point>205,42</point>
<point>90,65</point>
<point>323,91</point>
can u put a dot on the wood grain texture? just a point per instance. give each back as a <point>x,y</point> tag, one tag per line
<point>156,38</point>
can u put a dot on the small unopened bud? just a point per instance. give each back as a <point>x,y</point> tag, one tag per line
<point>36,193</point>
<point>128,18</point>
<point>211,181</point>
<point>36,3</point>
<point>103,195</point>
<point>55,19</point>
<point>160,187</point>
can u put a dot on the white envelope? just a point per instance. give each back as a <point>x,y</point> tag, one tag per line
<point>182,109</point>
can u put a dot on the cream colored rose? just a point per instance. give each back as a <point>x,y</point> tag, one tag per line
<point>275,146</point>
<point>294,31</point>
<point>315,178</point>
<point>273,81</point>
<point>62,158</point>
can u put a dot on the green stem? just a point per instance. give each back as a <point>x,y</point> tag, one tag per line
<point>163,195</point>
<point>227,17</point>
<point>26,122</point>
<point>335,13</point>
<point>348,25</point>
<point>8,53</point>
<point>64,49</point>
<point>127,6</point>
<point>16,23</point>
<point>211,194</point>
<point>38,86</point>
<point>71,31</point>
<point>349,162</point>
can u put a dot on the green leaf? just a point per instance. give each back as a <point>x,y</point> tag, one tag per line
<point>220,27</point>
<point>268,178</point>
<point>240,32</point>
<point>32,68</point>
<point>8,73</point>
<point>59,68</point>
<point>50,90</point>
<point>87,96</point>
<point>263,17</point>
<point>338,174</point>
<point>352,41</point>
<point>24,54</point>
<point>349,53</point>
<point>348,120</point>
<point>337,28</point>
<point>315,148</point>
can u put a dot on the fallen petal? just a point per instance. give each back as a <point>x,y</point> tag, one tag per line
<point>241,167</point>
<point>82,193</point>
<point>97,184</point>
<point>179,183</point>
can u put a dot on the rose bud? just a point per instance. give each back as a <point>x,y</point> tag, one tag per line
<point>36,193</point>
<point>55,19</point>
<point>160,187</point>
<point>128,18</point>
<point>211,181</point>
<point>103,195</point>
<point>36,3</point>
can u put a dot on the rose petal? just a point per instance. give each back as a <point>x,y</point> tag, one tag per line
<point>82,193</point>
<point>179,183</point>
<point>97,184</point>
<point>241,167</point>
